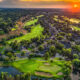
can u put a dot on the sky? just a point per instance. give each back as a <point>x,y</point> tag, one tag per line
<point>36,3</point>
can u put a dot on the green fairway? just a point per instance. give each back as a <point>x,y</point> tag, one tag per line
<point>31,22</point>
<point>39,65</point>
<point>13,29</point>
<point>76,28</point>
<point>27,65</point>
<point>36,31</point>
<point>40,16</point>
<point>74,20</point>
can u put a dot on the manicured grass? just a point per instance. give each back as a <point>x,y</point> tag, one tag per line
<point>40,16</point>
<point>76,28</point>
<point>35,32</point>
<point>74,20</point>
<point>13,29</point>
<point>31,22</point>
<point>27,65</point>
<point>39,64</point>
<point>52,68</point>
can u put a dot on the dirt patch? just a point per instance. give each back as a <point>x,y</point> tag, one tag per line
<point>15,32</point>
<point>60,73</point>
<point>43,74</point>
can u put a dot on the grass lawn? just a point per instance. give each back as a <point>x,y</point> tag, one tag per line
<point>40,16</point>
<point>31,22</point>
<point>13,29</point>
<point>27,65</point>
<point>39,65</point>
<point>74,20</point>
<point>35,32</point>
<point>76,28</point>
<point>52,68</point>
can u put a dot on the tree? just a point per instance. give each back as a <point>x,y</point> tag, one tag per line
<point>1,32</point>
<point>52,50</point>
<point>59,45</point>
<point>76,64</point>
<point>76,47</point>
<point>69,35</point>
<point>3,41</point>
<point>4,76</point>
<point>30,56</point>
<point>67,52</point>
<point>67,69</point>
<point>60,37</point>
<point>28,76</point>
<point>9,54</point>
<point>46,56</point>
<point>23,53</point>
<point>75,56</point>
<point>17,77</point>
<point>15,45</point>
<point>41,48</point>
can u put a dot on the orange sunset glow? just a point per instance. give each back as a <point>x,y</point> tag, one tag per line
<point>73,4</point>
<point>75,7</point>
<point>54,0</point>
<point>41,3</point>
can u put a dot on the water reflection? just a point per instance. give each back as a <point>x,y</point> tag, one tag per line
<point>9,70</point>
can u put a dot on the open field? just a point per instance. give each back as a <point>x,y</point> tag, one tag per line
<point>39,65</point>
<point>35,32</point>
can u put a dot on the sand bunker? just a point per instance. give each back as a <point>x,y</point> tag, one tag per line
<point>46,64</point>
<point>60,73</point>
<point>44,74</point>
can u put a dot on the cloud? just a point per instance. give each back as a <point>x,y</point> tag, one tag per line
<point>35,3</point>
<point>1,0</point>
<point>50,0</point>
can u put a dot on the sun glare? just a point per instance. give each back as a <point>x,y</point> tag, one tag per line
<point>75,6</point>
<point>0,0</point>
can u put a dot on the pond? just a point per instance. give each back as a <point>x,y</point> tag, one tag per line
<point>9,70</point>
<point>39,78</point>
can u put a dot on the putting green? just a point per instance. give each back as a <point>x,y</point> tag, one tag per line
<point>39,65</point>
